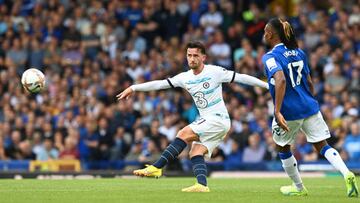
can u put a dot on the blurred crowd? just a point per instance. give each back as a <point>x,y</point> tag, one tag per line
<point>91,50</point>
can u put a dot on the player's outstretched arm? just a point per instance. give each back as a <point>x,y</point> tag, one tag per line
<point>144,87</point>
<point>250,80</point>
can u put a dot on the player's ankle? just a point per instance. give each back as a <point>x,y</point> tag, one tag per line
<point>299,186</point>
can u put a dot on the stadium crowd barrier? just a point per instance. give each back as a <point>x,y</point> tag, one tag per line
<point>77,166</point>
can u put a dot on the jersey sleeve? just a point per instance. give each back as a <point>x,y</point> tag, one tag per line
<point>224,75</point>
<point>271,65</point>
<point>176,81</point>
<point>152,85</point>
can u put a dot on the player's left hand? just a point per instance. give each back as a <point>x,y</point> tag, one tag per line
<point>281,121</point>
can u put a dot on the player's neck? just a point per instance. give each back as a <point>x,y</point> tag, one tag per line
<point>198,70</point>
<point>274,43</point>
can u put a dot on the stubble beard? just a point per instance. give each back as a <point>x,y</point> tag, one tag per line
<point>194,67</point>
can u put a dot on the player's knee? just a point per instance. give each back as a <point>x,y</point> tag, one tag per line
<point>283,149</point>
<point>197,150</point>
<point>319,145</point>
<point>181,134</point>
<point>186,135</point>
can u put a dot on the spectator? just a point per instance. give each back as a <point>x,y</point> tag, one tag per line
<point>148,26</point>
<point>13,150</point>
<point>121,146</point>
<point>37,142</point>
<point>234,159</point>
<point>352,143</point>
<point>242,137</point>
<point>195,14</point>
<point>47,152</point>
<point>138,41</point>
<point>254,24</point>
<point>220,51</point>
<point>168,129</point>
<point>59,141</point>
<point>150,154</point>
<point>304,149</point>
<point>90,142</point>
<point>2,150</point>
<point>172,21</point>
<point>25,151</point>
<point>245,49</point>
<point>226,145</point>
<point>335,82</point>
<point>90,42</point>
<point>155,134</point>
<point>36,57</point>
<point>255,152</point>
<point>17,55</point>
<point>132,14</point>
<point>271,152</point>
<point>133,155</point>
<point>212,19</point>
<point>105,138</point>
<point>70,151</point>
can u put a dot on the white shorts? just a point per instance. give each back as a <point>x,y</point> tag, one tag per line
<point>211,130</point>
<point>314,128</point>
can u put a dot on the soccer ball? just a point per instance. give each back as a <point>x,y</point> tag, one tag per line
<point>33,80</point>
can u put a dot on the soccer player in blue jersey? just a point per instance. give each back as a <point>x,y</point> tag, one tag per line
<point>291,88</point>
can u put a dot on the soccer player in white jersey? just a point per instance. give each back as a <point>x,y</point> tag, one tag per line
<point>204,83</point>
<point>296,108</point>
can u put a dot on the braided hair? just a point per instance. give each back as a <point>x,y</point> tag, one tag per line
<point>285,32</point>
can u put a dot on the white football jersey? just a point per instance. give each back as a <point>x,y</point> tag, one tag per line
<point>205,88</point>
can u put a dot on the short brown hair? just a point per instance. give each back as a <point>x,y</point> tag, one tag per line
<point>198,45</point>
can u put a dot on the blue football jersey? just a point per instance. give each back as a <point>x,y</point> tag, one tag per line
<point>298,101</point>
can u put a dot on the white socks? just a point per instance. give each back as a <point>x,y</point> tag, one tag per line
<point>334,158</point>
<point>290,167</point>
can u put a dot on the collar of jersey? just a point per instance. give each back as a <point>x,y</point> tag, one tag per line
<point>203,70</point>
<point>278,45</point>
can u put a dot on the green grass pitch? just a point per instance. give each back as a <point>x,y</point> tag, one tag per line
<point>248,190</point>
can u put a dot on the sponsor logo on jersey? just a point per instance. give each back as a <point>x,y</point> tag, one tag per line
<point>197,81</point>
<point>270,63</point>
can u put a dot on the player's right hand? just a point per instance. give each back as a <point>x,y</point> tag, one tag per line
<point>281,121</point>
<point>125,94</point>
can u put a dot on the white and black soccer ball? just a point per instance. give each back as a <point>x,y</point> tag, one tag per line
<point>33,80</point>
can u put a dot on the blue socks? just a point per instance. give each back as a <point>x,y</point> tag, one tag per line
<point>324,149</point>
<point>171,152</point>
<point>285,155</point>
<point>199,168</point>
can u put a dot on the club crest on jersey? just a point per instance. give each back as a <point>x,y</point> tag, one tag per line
<point>206,85</point>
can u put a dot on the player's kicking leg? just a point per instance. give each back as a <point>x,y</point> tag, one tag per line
<point>317,132</point>
<point>289,164</point>
<point>334,158</point>
<point>184,136</point>
<point>199,168</point>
